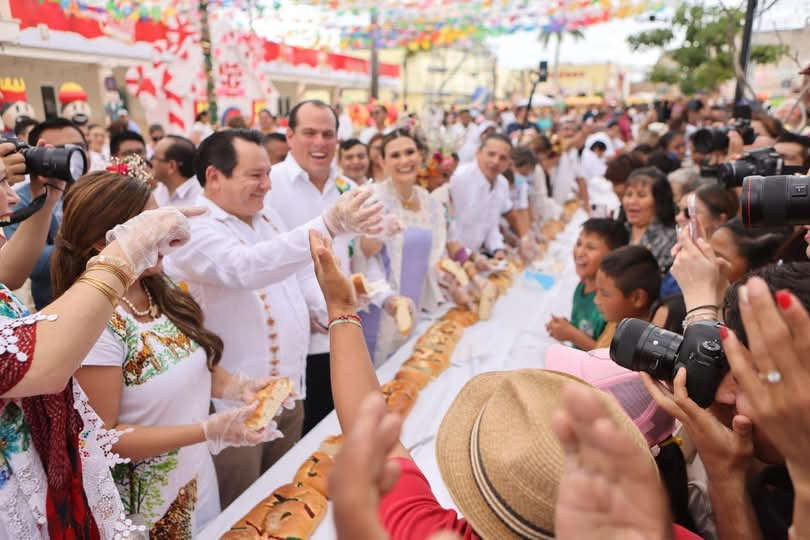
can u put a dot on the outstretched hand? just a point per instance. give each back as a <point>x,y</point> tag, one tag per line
<point>774,372</point>
<point>337,288</point>
<point>609,489</point>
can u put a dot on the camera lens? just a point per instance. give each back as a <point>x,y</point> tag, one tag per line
<point>641,346</point>
<point>774,201</point>
<point>68,163</point>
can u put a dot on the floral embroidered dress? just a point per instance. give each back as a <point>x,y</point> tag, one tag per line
<point>166,382</point>
<point>409,261</point>
<point>32,504</point>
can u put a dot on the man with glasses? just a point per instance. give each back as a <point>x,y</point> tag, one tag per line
<point>173,166</point>
<point>56,132</point>
<point>378,114</point>
<point>127,143</point>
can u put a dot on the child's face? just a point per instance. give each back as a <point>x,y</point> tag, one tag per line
<point>611,301</point>
<point>588,253</point>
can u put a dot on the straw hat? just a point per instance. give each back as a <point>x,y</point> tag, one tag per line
<point>498,456</point>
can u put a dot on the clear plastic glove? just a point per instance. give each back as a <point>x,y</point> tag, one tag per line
<point>242,388</point>
<point>390,225</point>
<point>390,305</point>
<point>461,297</point>
<point>482,264</point>
<point>151,234</point>
<point>226,429</point>
<point>351,215</point>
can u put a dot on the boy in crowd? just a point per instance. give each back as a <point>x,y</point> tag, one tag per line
<point>598,238</point>
<point>627,285</point>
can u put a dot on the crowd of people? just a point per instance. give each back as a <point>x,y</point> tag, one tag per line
<point>180,275</point>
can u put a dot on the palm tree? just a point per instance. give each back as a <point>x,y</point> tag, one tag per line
<point>559,34</point>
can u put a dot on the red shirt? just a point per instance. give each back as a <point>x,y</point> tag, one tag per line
<point>410,511</point>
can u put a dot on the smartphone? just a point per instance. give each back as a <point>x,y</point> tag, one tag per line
<point>49,102</point>
<point>694,225</point>
<point>599,211</point>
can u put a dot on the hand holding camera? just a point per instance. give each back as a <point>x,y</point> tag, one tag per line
<point>726,453</point>
<point>14,162</point>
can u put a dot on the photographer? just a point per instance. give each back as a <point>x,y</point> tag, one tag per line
<point>55,467</point>
<point>40,229</point>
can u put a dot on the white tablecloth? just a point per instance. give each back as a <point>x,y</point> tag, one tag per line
<point>514,338</point>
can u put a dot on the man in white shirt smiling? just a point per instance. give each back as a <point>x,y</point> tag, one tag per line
<point>249,275</point>
<point>304,185</point>
<point>173,166</point>
<point>481,196</point>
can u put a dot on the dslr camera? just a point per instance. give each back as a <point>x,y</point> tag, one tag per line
<point>775,201</point>
<point>708,140</point>
<point>641,346</point>
<point>68,163</point>
<point>762,162</point>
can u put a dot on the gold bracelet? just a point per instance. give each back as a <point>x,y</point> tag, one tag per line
<point>114,270</point>
<point>102,287</point>
<point>121,264</point>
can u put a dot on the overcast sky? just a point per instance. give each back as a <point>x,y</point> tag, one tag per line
<point>608,42</point>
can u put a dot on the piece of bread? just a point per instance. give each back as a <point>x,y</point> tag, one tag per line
<point>242,532</point>
<point>470,269</point>
<point>290,520</point>
<point>453,268</point>
<point>314,473</point>
<point>251,525</point>
<point>418,377</point>
<point>298,491</point>
<point>462,316</point>
<point>425,364</point>
<point>360,284</point>
<point>270,400</point>
<point>442,359</point>
<point>400,396</point>
<point>488,296</point>
<point>331,445</point>
<point>402,314</point>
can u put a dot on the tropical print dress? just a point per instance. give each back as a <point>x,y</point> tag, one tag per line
<point>166,382</point>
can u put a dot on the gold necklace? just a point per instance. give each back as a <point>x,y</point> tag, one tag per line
<point>151,311</point>
<point>412,202</point>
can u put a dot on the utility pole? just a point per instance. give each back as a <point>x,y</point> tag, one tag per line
<point>745,49</point>
<point>375,57</point>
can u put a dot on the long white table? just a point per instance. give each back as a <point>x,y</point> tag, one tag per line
<point>514,338</point>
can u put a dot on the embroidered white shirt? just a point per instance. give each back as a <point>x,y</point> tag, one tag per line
<point>228,264</point>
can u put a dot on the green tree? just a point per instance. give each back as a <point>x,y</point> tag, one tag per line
<point>709,52</point>
<point>558,35</point>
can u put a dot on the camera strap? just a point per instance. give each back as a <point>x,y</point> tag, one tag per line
<point>24,213</point>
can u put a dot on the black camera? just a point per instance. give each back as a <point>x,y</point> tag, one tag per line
<point>761,162</point>
<point>708,140</point>
<point>641,346</point>
<point>67,163</point>
<point>775,201</point>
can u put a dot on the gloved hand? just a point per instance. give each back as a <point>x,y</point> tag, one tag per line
<point>242,388</point>
<point>482,263</point>
<point>228,428</point>
<point>152,233</point>
<point>461,297</point>
<point>390,306</point>
<point>350,214</point>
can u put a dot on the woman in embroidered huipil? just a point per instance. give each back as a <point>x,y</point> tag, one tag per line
<point>54,455</point>
<point>152,372</point>
<point>409,258</point>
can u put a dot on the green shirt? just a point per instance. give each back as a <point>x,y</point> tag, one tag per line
<point>584,315</point>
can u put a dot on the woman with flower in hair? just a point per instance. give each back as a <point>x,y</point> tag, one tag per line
<point>54,459</point>
<point>152,373</point>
